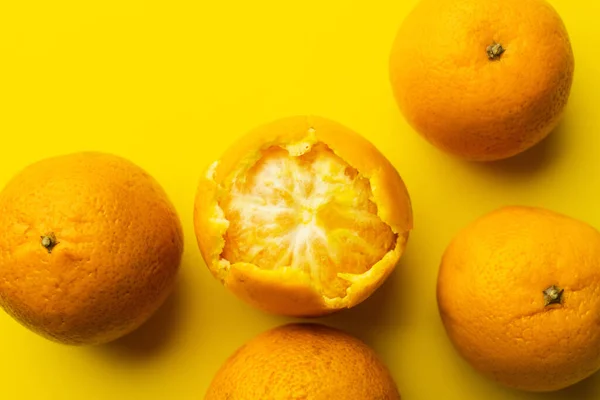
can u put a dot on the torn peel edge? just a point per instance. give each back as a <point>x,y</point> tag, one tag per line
<point>210,215</point>
<point>293,292</point>
<point>223,169</point>
<point>210,223</point>
<point>361,285</point>
<point>399,217</point>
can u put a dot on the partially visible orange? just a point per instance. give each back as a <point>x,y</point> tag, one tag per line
<point>483,80</point>
<point>303,361</point>
<point>90,247</point>
<point>518,292</point>
<point>302,217</point>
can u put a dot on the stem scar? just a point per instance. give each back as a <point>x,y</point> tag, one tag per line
<point>49,241</point>
<point>553,295</point>
<point>494,51</point>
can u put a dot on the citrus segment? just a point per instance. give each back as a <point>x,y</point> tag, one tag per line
<point>310,211</point>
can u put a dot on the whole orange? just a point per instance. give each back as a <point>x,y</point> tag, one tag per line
<point>90,247</point>
<point>303,361</point>
<point>518,295</point>
<point>302,217</point>
<point>483,80</point>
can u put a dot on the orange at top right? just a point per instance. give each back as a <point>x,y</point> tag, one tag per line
<point>483,80</point>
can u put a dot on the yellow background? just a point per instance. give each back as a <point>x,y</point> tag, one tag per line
<point>170,84</point>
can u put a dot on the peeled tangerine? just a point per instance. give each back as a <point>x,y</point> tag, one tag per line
<point>302,217</point>
<point>90,247</point>
<point>303,361</point>
<point>518,294</point>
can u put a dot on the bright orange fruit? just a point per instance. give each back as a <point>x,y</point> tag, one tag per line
<point>483,80</point>
<point>303,361</point>
<point>518,295</point>
<point>89,247</point>
<point>302,217</point>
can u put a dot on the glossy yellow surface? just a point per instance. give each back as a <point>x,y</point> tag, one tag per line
<point>170,84</point>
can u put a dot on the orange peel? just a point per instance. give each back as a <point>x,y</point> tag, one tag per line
<point>271,189</point>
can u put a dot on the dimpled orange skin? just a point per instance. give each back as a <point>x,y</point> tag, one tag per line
<point>290,292</point>
<point>490,296</point>
<point>119,247</point>
<point>466,104</point>
<point>303,361</point>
